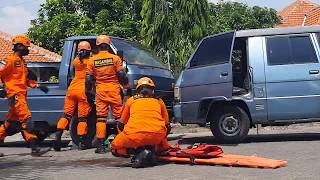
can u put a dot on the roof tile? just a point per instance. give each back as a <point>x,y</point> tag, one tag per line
<point>295,14</point>
<point>37,54</point>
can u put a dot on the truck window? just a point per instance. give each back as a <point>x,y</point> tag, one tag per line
<point>213,50</point>
<point>44,74</point>
<point>290,50</point>
<point>136,54</point>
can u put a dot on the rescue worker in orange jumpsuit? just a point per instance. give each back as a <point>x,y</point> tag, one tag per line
<point>145,120</point>
<point>76,98</point>
<point>108,73</point>
<point>14,76</point>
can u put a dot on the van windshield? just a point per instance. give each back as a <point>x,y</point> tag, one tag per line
<point>135,54</point>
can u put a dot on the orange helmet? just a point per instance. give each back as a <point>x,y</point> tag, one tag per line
<point>84,45</point>
<point>21,39</point>
<point>145,81</point>
<point>103,39</point>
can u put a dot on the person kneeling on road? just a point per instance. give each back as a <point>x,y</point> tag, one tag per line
<point>76,98</point>
<point>14,76</point>
<point>145,119</point>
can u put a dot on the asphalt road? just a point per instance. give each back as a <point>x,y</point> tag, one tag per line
<point>298,146</point>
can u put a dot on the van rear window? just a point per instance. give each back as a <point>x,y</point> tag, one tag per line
<point>284,50</point>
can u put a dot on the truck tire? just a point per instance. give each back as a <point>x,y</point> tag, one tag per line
<point>230,124</point>
<point>91,130</point>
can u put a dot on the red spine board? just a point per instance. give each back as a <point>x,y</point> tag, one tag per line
<point>229,160</point>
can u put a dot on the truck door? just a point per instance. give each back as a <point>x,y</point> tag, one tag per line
<point>49,107</point>
<point>208,74</point>
<point>292,77</point>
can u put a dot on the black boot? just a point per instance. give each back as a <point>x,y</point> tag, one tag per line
<point>36,150</point>
<point>144,158</point>
<point>57,143</point>
<point>1,154</point>
<point>81,145</point>
<point>101,149</point>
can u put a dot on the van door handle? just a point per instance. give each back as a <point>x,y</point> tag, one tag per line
<point>224,74</point>
<point>314,72</point>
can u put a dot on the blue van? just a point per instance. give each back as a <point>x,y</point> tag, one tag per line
<point>239,79</point>
<point>47,109</point>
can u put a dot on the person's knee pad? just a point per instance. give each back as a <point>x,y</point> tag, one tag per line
<point>82,128</point>
<point>101,130</point>
<point>63,123</point>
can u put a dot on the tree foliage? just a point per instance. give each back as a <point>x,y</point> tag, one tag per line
<point>169,27</point>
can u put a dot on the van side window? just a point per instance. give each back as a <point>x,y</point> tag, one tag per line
<point>213,50</point>
<point>290,50</point>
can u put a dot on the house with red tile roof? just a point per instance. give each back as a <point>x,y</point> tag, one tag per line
<point>37,54</point>
<point>43,65</point>
<point>300,13</point>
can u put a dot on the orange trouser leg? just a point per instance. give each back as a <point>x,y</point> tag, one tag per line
<point>101,128</point>
<point>116,104</point>
<point>102,114</point>
<point>84,109</point>
<point>68,109</point>
<point>82,128</point>
<point>20,110</point>
<point>124,141</point>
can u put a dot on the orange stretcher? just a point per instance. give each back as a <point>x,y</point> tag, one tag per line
<point>202,155</point>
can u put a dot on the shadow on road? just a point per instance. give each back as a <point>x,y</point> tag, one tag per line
<point>46,143</point>
<point>257,138</point>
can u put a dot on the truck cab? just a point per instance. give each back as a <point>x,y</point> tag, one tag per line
<point>46,109</point>
<point>239,79</point>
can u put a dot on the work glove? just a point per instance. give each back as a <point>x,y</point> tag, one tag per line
<point>43,88</point>
<point>3,93</point>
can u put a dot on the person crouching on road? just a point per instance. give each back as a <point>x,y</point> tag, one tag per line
<point>76,98</point>
<point>14,76</point>
<point>145,120</point>
<point>108,73</point>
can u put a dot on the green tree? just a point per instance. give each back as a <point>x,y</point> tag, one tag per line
<point>232,15</point>
<point>59,19</point>
<point>166,26</point>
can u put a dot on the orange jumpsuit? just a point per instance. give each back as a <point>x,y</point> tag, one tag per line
<point>14,73</point>
<point>145,122</point>
<point>104,66</point>
<point>76,99</point>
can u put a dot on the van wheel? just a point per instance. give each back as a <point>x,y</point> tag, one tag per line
<point>91,131</point>
<point>230,124</point>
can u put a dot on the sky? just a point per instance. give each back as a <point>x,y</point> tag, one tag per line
<point>15,15</point>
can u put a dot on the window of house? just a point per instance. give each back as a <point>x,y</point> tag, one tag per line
<point>284,50</point>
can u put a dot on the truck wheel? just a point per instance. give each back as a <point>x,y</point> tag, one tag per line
<point>91,131</point>
<point>230,124</point>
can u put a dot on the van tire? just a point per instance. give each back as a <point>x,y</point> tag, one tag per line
<point>230,124</point>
